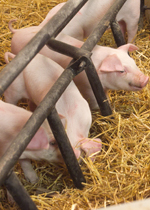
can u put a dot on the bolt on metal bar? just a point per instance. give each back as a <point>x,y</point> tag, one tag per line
<point>12,154</point>
<point>50,30</point>
<point>66,149</point>
<point>118,36</point>
<point>18,192</point>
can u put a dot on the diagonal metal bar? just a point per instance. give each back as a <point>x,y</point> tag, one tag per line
<point>45,107</point>
<point>50,30</point>
<point>89,45</point>
<point>19,194</point>
<point>99,30</point>
<point>66,149</point>
<point>97,88</point>
<point>9,159</point>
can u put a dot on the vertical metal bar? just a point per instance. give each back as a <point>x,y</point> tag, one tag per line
<point>97,88</point>
<point>18,193</point>
<point>66,149</point>
<point>142,13</point>
<point>142,9</point>
<point>118,36</point>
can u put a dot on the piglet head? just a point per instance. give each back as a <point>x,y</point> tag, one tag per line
<point>43,146</point>
<point>118,71</point>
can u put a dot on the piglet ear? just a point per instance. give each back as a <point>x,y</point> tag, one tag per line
<point>128,47</point>
<point>111,63</point>
<point>39,141</point>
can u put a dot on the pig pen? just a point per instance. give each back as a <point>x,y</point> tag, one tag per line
<point>121,171</point>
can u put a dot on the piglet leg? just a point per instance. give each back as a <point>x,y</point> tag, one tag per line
<point>29,173</point>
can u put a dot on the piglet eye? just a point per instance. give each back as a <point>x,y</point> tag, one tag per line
<point>122,71</point>
<point>53,143</point>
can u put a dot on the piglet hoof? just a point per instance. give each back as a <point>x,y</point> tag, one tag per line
<point>28,170</point>
<point>32,178</point>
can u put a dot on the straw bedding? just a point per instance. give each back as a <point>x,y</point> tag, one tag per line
<point>121,171</point>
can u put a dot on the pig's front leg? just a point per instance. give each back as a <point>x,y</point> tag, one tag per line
<point>29,173</point>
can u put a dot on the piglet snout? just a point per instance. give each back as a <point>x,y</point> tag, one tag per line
<point>144,81</point>
<point>139,82</point>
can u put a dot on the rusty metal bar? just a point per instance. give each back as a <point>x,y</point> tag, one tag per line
<point>9,159</point>
<point>118,36</point>
<point>66,149</point>
<point>50,30</point>
<point>18,192</point>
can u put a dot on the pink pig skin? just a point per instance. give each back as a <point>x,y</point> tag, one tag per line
<point>132,79</point>
<point>116,70</point>
<point>92,12</point>
<point>34,83</point>
<point>41,147</point>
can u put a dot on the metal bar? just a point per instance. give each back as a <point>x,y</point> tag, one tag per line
<point>89,45</point>
<point>118,36</point>
<point>142,7</point>
<point>9,159</point>
<point>146,8</point>
<point>102,25</point>
<point>142,14</point>
<point>66,149</point>
<point>51,29</point>
<point>19,194</point>
<point>97,88</point>
<point>67,49</point>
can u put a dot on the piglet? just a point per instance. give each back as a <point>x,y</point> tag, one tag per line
<point>93,11</point>
<point>43,146</point>
<point>34,83</point>
<point>115,68</point>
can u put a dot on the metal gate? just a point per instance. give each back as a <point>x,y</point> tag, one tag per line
<point>46,109</point>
